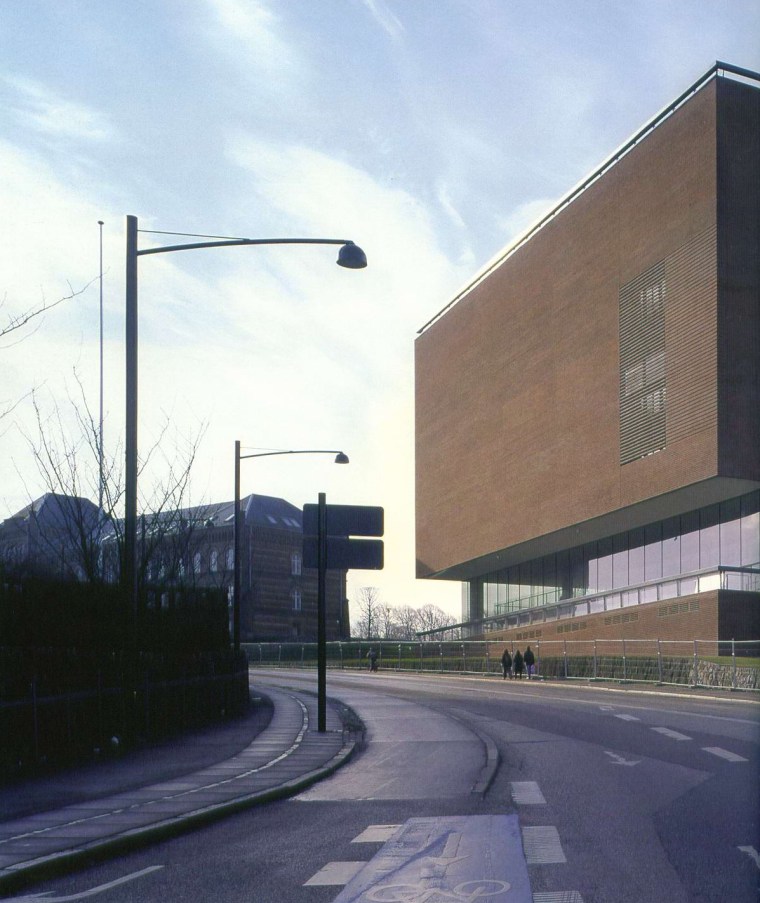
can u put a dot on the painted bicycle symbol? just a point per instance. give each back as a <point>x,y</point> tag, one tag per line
<point>418,893</point>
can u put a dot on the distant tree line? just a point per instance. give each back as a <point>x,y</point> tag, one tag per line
<point>376,620</point>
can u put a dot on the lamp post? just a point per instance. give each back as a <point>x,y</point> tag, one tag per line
<point>350,256</point>
<point>237,521</point>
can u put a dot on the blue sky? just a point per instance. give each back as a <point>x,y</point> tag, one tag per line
<point>431,132</point>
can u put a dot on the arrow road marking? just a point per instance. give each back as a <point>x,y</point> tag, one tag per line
<point>753,854</point>
<point>619,760</point>
<point>45,898</point>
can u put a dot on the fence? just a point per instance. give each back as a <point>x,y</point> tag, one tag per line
<point>64,720</point>
<point>696,663</point>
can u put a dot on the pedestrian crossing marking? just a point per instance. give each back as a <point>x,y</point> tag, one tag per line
<point>376,834</point>
<point>542,845</point>
<point>667,732</point>
<point>527,793</point>
<point>334,874</point>
<point>558,896</point>
<point>724,754</point>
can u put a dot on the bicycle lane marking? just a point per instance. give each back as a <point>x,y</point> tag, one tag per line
<point>454,858</point>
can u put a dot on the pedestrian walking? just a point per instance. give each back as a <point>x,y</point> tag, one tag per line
<point>372,657</point>
<point>506,664</point>
<point>518,664</point>
<point>530,661</point>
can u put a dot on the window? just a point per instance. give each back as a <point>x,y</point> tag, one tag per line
<point>295,564</point>
<point>197,563</point>
<point>296,595</point>
<point>229,559</point>
<point>214,561</point>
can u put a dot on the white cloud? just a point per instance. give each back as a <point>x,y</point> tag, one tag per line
<point>44,110</point>
<point>385,18</point>
<point>252,33</point>
<point>524,217</point>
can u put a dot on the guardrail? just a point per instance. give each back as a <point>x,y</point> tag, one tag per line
<point>730,664</point>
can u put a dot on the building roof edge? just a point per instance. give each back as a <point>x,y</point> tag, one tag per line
<point>495,262</point>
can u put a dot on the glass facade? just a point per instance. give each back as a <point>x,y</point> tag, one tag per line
<point>721,535</point>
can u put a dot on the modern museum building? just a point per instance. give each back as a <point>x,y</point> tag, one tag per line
<point>587,408</point>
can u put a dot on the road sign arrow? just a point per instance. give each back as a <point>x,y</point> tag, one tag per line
<point>619,760</point>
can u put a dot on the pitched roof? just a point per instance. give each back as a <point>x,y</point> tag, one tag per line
<point>259,510</point>
<point>54,509</point>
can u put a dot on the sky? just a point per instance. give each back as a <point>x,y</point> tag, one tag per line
<point>430,132</point>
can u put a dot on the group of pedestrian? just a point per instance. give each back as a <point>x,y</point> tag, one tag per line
<point>517,664</point>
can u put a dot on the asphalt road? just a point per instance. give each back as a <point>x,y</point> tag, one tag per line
<point>620,796</point>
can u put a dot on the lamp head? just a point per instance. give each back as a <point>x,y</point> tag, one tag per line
<point>351,256</point>
<point>341,458</point>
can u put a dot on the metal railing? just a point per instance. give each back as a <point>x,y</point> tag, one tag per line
<point>729,664</point>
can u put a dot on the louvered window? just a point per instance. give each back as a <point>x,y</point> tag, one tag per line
<point>643,388</point>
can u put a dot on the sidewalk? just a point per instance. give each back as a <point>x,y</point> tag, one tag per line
<point>47,825</point>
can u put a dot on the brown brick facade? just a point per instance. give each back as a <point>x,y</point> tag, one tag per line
<point>518,384</point>
<point>717,615</point>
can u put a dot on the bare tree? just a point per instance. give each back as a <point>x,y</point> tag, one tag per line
<point>68,460</point>
<point>13,330</point>
<point>368,623</point>
<point>387,622</point>
<point>407,622</point>
<point>430,617</point>
<point>15,322</point>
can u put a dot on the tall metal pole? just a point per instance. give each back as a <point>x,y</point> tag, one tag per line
<point>101,469</point>
<point>237,530</point>
<point>321,649</point>
<point>130,476</point>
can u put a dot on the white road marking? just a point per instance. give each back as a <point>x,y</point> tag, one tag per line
<point>527,793</point>
<point>376,834</point>
<point>753,854</point>
<point>627,717</point>
<point>45,898</point>
<point>724,754</point>
<point>667,732</point>
<point>558,896</point>
<point>542,845</point>
<point>421,892</point>
<point>335,873</point>
<point>619,760</point>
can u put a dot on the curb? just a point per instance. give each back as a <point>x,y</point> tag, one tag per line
<point>59,863</point>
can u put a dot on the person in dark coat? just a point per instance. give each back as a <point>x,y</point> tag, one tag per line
<point>506,664</point>
<point>518,664</point>
<point>372,656</point>
<point>530,661</point>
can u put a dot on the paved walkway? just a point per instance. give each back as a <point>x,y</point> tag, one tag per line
<point>47,825</point>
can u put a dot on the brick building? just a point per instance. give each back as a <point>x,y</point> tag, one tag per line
<point>61,536</point>
<point>587,442</point>
<point>50,538</point>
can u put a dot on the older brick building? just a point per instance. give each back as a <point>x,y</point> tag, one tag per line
<point>62,536</point>
<point>587,434</point>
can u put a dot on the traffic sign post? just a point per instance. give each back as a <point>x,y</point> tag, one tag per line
<point>327,544</point>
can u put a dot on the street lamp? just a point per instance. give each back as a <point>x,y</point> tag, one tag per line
<point>340,458</point>
<point>350,256</point>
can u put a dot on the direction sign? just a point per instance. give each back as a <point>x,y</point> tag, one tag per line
<point>344,554</point>
<point>344,520</point>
